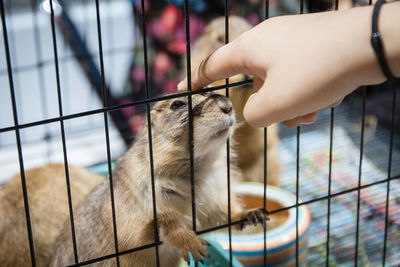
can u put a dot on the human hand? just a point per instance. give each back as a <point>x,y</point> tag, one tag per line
<point>302,64</point>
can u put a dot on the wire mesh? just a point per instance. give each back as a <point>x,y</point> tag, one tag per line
<point>106,109</point>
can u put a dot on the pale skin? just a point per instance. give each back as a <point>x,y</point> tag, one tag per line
<point>302,64</point>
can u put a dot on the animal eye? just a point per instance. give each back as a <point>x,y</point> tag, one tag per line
<point>177,104</point>
<point>221,39</point>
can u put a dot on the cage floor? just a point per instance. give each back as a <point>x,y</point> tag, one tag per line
<point>313,184</point>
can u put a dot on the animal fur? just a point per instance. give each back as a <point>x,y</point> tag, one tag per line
<point>48,203</point>
<point>212,119</point>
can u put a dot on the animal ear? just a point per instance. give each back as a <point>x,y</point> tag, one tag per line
<point>221,39</point>
<point>153,116</point>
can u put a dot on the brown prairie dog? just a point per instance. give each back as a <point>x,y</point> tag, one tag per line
<point>213,116</point>
<point>48,203</point>
<point>248,141</point>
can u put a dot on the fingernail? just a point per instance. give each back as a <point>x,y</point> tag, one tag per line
<point>180,85</point>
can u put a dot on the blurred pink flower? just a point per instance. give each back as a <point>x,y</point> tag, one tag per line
<point>178,47</point>
<point>253,19</point>
<point>137,74</point>
<point>180,33</point>
<point>162,62</point>
<point>136,122</point>
<point>158,78</point>
<point>128,111</point>
<point>196,29</point>
<point>274,4</point>
<point>146,5</point>
<point>154,29</point>
<point>170,86</point>
<point>171,18</point>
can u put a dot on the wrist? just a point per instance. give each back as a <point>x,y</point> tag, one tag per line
<point>366,65</point>
<point>363,64</point>
<point>358,56</point>
<point>388,25</point>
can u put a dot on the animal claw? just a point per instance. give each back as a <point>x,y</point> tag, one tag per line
<point>187,259</point>
<point>255,217</point>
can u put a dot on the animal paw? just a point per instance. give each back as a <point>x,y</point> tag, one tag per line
<point>254,217</point>
<point>197,249</point>
<point>195,245</point>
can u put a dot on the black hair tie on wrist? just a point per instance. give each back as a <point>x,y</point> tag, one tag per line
<point>377,42</point>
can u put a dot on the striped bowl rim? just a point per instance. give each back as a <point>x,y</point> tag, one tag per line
<point>277,239</point>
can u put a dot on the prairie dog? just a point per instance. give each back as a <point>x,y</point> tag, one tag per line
<point>249,141</point>
<point>48,203</point>
<point>212,120</point>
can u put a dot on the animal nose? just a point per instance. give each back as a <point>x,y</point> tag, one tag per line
<point>225,105</point>
<point>222,102</point>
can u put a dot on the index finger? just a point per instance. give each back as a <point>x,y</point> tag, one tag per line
<point>224,62</point>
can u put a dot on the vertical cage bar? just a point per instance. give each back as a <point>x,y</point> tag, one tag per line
<point>328,222</point>
<point>265,165</point>
<point>359,175</point>
<point>297,193</point>
<point>146,67</point>
<point>395,83</point>
<point>17,135</point>
<point>189,83</point>
<point>265,192</point>
<point>228,164</point>
<point>64,146</point>
<point>298,173</point>
<point>106,129</point>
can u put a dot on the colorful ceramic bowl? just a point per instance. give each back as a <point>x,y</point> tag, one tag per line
<point>248,245</point>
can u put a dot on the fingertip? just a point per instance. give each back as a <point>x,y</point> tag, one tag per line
<point>182,86</point>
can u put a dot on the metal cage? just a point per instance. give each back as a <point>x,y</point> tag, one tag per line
<point>110,109</point>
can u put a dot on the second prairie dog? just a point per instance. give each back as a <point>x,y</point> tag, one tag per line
<point>212,120</point>
<point>248,141</point>
<point>48,205</point>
